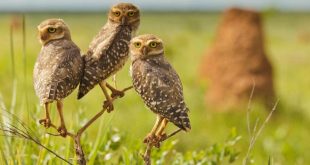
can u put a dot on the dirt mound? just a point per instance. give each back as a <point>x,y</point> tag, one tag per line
<point>236,60</point>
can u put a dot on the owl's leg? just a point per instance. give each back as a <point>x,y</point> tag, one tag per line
<point>116,92</point>
<point>160,134</point>
<point>62,128</point>
<point>151,136</point>
<point>108,103</point>
<point>47,121</point>
<point>114,80</point>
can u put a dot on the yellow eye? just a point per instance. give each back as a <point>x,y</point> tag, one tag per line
<point>117,13</point>
<point>153,44</point>
<point>131,13</point>
<point>51,30</point>
<point>137,44</point>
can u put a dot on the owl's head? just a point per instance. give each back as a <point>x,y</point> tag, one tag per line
<point>146,46</point>
<point>125,14</point>
<point>53,29</point>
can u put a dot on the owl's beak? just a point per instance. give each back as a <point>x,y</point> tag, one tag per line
<point>144,51</point>
<point>124,20</point>
<point>43,37</point>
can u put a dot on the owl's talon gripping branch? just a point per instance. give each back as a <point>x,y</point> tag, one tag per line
<point>115,92</point>
<point>159,139</point>
<point>150,138</point>
<point>108,105</point>
<point>45,122</point>
<point>62,131</point>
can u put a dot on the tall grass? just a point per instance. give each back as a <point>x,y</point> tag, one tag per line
<point>24,54</point>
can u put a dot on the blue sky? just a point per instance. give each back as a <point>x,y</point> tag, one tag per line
<point>88,5</point>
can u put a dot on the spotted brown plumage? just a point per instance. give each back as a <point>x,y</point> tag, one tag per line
<point>157,83</point>
<point>57,71</point>
<point>161,90</point>
<point>58,68</point>
<point>109,50</point>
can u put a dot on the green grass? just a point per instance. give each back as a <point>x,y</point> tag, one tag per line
<point>187,36</point>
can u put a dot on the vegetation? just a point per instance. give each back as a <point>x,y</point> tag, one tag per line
<point>187,36</point>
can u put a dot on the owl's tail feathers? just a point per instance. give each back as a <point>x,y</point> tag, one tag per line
<point>182,121</point>
<point>88,82</point>
<point>81,93</point>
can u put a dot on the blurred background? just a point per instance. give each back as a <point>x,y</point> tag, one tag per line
<point>226,53</point>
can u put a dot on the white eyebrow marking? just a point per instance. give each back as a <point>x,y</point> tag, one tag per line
<point>154,40</point>
<point>136,40</point>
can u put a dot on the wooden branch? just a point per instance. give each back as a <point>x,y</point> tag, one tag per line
<point>79,151</point>
<point>147,154</point>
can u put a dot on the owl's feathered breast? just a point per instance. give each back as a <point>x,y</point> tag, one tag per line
<point>57,71</point>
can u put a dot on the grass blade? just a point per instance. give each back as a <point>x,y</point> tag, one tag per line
<point>24,42</point>
<point>12,51</point>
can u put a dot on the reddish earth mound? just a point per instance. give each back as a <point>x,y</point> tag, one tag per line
<point>236,60</point>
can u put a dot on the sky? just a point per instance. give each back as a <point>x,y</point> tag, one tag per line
<point>97,5</point>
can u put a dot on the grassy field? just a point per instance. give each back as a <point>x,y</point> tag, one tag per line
<point>187,36</point>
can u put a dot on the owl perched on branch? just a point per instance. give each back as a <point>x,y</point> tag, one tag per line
<point>58,68</point>
<point>109,50</point>
<point>158,84</point>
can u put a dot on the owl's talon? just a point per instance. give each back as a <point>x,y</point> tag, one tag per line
<point>62,131</point>
<point>162,137</point>
<point>117,93</point>
<point>108,105</point>
<point>45,122</point>
<point>149,138</point>
<point>156,144</point>
<point>158,139</point>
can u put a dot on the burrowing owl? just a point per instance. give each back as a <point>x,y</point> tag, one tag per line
<point>109,50</point>
<point>58,68</point>
<point>158,84</point>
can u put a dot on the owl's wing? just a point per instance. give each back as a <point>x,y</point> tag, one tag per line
<point>97,49</point>
<point>67,74</point>
<point>102,41</point>
<point>168,95</point>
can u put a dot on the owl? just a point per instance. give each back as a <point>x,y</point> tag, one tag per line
<point>109,50</point>
<point>58,68</point>
<point>158,84</point>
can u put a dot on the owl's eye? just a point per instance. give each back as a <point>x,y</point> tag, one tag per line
<point>51,30</point>
<point>117,13</point>
<point>137,44</point>
<point>131,13</point>
<point>153,44</point>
